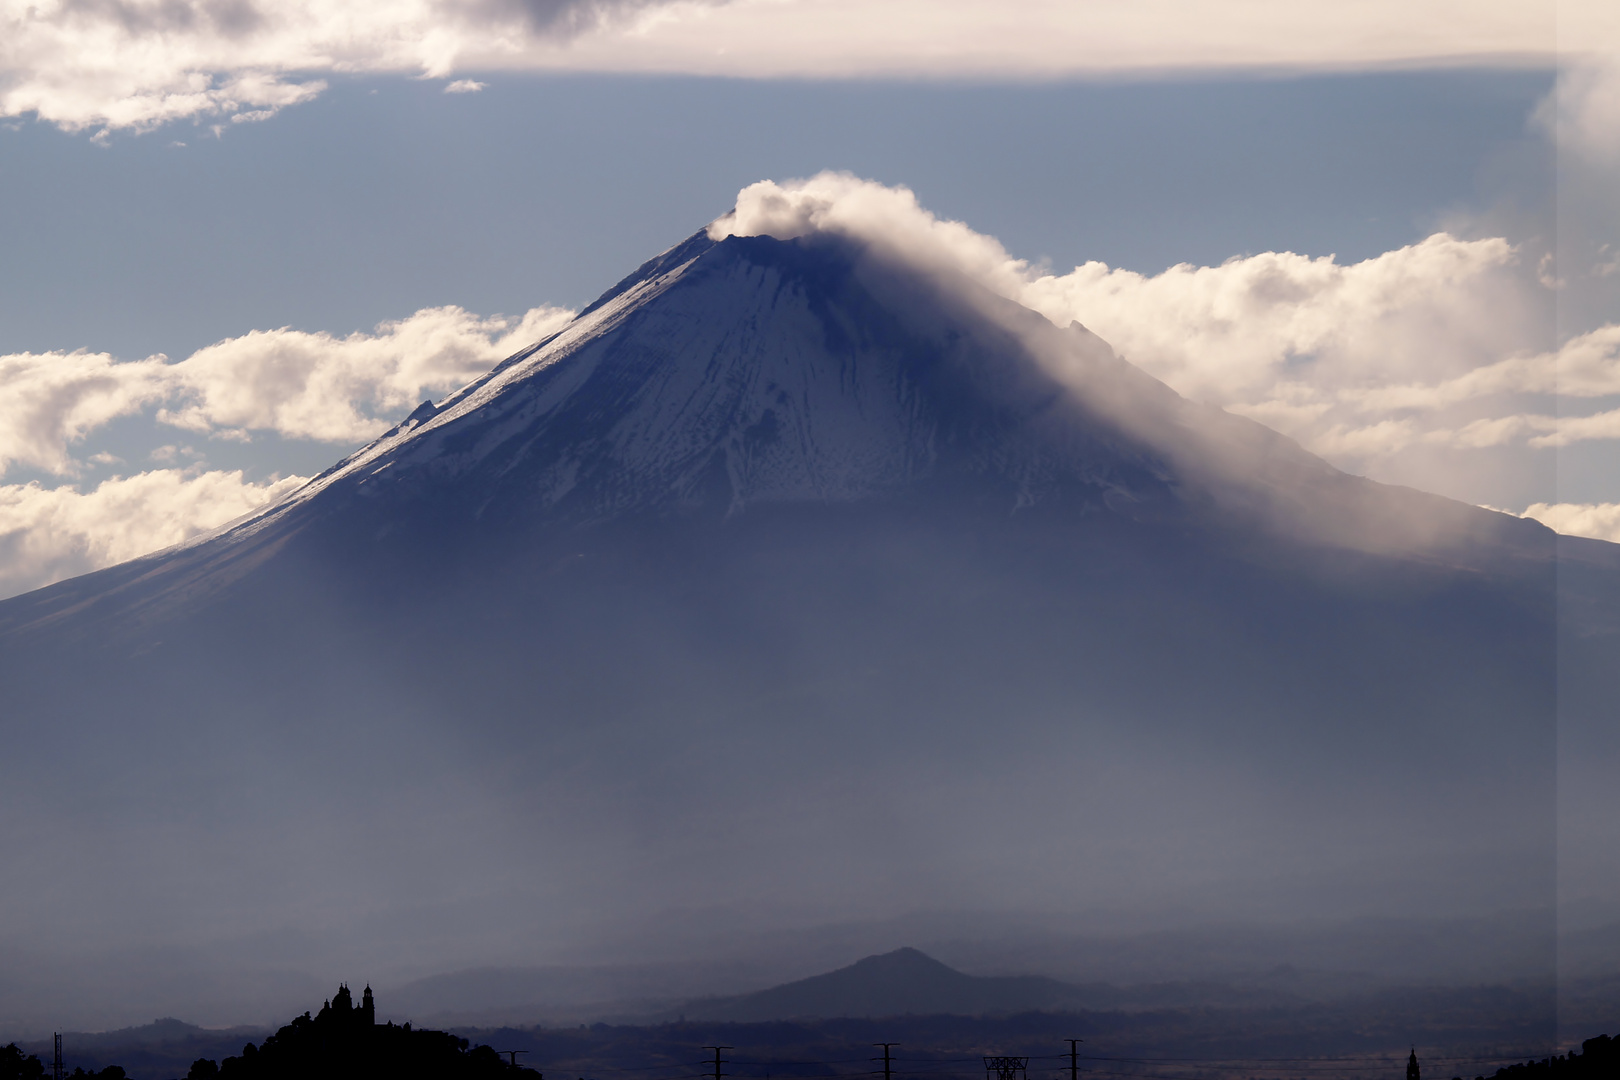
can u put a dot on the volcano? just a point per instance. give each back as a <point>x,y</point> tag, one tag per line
<point>789,584</point>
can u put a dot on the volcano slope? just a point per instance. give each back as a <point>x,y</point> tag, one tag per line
<point>797,583</point>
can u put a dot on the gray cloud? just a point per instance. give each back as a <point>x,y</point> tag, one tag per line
<point>137,64</point>
<point>552,18</point>
<point>228,17</point>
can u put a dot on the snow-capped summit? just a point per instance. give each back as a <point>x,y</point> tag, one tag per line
<point>753,371</point>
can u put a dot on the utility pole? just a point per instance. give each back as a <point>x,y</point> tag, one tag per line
<point>718,1061</point>
<point>887,1060</point>
<point>1074,1058</point>
<point>57,1071</point>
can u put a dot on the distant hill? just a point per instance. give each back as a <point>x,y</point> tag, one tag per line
<point>892,984</point>
<point>164,1048</point>
<point>160,1032</point>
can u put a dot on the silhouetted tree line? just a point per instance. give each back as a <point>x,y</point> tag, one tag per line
<point>341,1041</point>
<point>1597,1059</point>
<point>345,1041</point>
<point>13,1066</point>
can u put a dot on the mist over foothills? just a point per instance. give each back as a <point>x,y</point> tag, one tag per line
<point>1070,542</point>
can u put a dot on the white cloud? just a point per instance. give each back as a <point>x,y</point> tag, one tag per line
<point>139,63</point>
<point>1373,440</point>
<point>317,386</point>
<point>957,38</point>
<point>54,399</point>
<point>1585,366</point>
<point>1571,429</point>
<point>465,86</point>
<point>301,385</point>
<point>1598,520</point>
<point>1480,434</point>
<point>1583,112</point>
<point>887,218</point>
<point>1285,328</point>
<point>47,534</point>
<point>297,384</point>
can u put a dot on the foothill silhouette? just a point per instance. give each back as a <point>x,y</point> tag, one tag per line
<point>342,1040</point>
<point>1597,1059</point>
<point>345,1040</point>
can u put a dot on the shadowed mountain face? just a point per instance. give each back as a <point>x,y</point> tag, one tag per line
<point>895,983</point>
<point>802,588</point>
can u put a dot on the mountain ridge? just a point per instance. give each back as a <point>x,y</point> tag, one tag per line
<point>902,981</point>
<point>792,576</point>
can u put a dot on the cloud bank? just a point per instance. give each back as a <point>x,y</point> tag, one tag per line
<point>293,383</point>
<point>140,63</point>
<point>340,390</point>
<point>136,64</point>
<point>1583,112</point>
<point>53,400</point>
<point>317,386</point>
<point>1444,346</point>
<point>47,534</point>
<point>1599,520</point>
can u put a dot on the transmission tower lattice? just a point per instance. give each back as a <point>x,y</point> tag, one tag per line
<point>1006,1068</point>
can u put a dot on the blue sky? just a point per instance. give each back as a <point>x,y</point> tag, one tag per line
<point>387,195</point>
<point>140,220</point>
